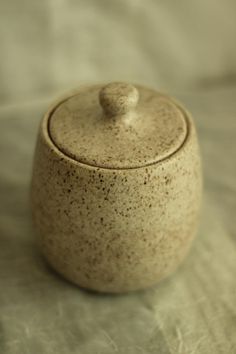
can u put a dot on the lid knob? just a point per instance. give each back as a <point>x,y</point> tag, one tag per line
<point>118,98</point>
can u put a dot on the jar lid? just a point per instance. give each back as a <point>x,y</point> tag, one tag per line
<point>118,126</point>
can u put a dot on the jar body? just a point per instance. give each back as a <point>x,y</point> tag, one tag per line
<point>115,230</point>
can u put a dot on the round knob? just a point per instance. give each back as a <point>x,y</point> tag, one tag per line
<point>118,98</point>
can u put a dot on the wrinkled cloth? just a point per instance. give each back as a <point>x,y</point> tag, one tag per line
<point>193,311</point>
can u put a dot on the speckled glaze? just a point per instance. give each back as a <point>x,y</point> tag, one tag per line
<point>132,127</point>
<point>123,223</point>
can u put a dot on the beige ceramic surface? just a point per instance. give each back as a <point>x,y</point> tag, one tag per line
<point>122,229</point>
<point>130,127</point>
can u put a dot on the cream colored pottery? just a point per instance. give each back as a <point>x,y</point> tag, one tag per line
<point>116,186</point>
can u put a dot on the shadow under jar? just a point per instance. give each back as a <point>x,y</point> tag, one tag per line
<point>116,186</point>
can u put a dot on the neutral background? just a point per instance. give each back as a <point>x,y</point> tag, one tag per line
<point>49,45</point>
<point>184,47</point>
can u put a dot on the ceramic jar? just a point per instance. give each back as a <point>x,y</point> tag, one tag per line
<point>116,186</point>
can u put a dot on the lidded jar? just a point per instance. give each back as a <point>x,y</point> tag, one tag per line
<point>116,186</point>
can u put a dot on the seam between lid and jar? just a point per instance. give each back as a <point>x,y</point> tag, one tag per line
<point>51,111</point>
